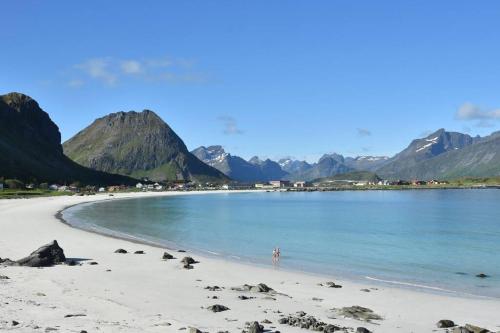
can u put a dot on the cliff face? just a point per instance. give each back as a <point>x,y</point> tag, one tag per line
<point>30,146</point>
<point>138,144</point>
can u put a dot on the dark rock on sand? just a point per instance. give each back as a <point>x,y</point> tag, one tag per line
<point>93,263</point>
<point>358,312</point>
<point>187,266</point>
<point>331,284</point>
<point>139,252</point>
<point>482,275</point>
<point>4,277</point>
<point>15,323</point>
<point>188,261</point>
<point>243,297</point>
<point>75,315</point>
<point>213,288</point>
<point>255,327</point>
<point>260,288</point>
<point>445,323</point>
<point>362,330</point>
<point>121,251</point>
<point>167,256</point>
<point>72,263</point>
<point>460,329</point>
<point>300,319</point>
<point>217,308</point>
<point>45,256</point>
<point>181,251</point>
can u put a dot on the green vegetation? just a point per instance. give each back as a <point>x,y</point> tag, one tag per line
<point>19,193</point>
<point>351,176</point>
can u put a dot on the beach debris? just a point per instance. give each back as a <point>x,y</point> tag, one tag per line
<point>121,251</point>
<point>254,327</point>
<point>4,277</point>
<point>260,288</point>
<point>302,320</point>
<point>357,312</point>
<point>139,252</point>
<point>482,276</point>
<point>45,256</point>
<point>167,256</point>
<point>445,323</point>
<point>213,288</point>
<point>217,308</point>
<point>363,330</point>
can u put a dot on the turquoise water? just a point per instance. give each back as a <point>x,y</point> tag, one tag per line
<point>426,239</point>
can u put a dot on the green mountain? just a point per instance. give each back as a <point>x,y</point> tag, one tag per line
<point>138,144</point>
<point>30,147</point>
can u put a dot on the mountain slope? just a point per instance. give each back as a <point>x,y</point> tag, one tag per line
<point>480,159</point>
<point>137,144</point>
<point>294,166</point>
<point>366,163</point>
<point>30,147</point>
<point>404,164</point>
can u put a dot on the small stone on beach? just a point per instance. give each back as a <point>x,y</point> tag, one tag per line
<point>139,252</point>
<point>167,256</point>
<point>121,251</point>
<point>217,308</point>
<point>445,323</point>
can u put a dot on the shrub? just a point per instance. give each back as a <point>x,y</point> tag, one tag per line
<point>14,184</point>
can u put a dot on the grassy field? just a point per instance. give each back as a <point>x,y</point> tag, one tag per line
<point>10,194</point>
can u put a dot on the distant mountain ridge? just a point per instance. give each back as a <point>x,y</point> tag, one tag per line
<point>30,147</point>
<point>236,167</point>
<point>138,144</point>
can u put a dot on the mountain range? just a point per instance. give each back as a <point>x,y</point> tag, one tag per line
<point>440,155</point>
<point>125,146</point>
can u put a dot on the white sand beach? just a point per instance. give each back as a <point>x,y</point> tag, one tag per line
<point>143,293</point>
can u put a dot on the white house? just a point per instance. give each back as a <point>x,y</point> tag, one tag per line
<point>54,187</point>
<point>102,189</point>
<point>139,185</point>
<point>300,184</point>
<point>279,183</point>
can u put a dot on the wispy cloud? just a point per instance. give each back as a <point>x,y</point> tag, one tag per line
<point>100,69</point>
<point>131,67</point>
<point>230,125</point>
<point>363,132</point>
<point>168,69</point>
<point>469,111</point>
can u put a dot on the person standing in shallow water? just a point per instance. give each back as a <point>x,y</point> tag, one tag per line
<point>275,253</point>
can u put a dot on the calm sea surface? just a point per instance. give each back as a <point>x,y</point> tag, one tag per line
<point>426,239</point>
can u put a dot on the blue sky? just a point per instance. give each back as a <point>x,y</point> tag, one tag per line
<point>267,78</point>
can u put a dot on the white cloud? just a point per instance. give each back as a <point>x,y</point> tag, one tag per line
<point>469,111</point>
<point>131,67</point>
<point>99,68</point>
<point>111,70</point>
<point>230,125</point>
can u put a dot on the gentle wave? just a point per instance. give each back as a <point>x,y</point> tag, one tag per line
<point>410,284</point>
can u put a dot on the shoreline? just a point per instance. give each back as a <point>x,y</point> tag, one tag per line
<point>172,246</point>
<point>145,293</point>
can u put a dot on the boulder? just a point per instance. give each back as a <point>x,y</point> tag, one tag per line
<point>255,327</point>
<point>333,284</point>
<point>362,330</point>
<point>139,252</point>
<point>167,256</point>
<point>121,251</point>
<point>445,323</point>
<point>217,308</point>
<point>188,261</point>
<point>4,277</point>
<point>261,288</point>
<point>45,256</point>
<point>358,312</point>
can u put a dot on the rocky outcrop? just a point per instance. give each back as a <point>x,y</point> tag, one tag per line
<point>302,320</point>
<point>217,308</point>
<point>445,323</point>
<point>357,312</point>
